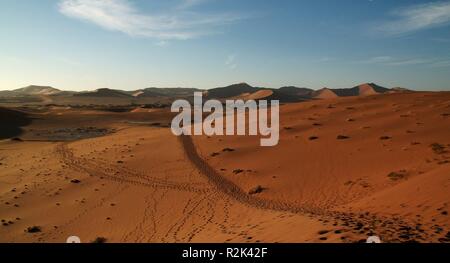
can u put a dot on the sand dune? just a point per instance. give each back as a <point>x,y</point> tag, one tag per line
<point>345,168</point>
<point>133,186</point>
<point>258,95</point>
<point>107,93</point>
<point>37,90</point>
<point>324,93</point>
<point>44,96</point>
<point>366,89</point>
<point>384,168</point>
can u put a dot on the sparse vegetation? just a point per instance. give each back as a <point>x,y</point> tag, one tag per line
<point>256,190</point>
<point>438,148</point>
<point>395,176</point>
<point>348,183</point>
<point>33,229</point>
<point>99,240</point>
<point>228,150</point>
<point>342,137</point>
<point>75,181</point>
<point>238,171</point>
<point>323,232</point>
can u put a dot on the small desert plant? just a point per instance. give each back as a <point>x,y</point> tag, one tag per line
<point>323,232</point>
<point>349,183</point>
<point>99,240</point>
<point>33,229</point>
<point>238,171</point>
<point>438,148</point>
<point>395,176</point>
<point>228,150</point>
<point>256,190</point>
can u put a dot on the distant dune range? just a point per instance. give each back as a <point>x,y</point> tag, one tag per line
<point>164,96</point>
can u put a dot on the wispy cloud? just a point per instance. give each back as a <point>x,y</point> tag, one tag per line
<point>392,61</point>
<point>230,62</point>
<point>441,64</point>
<point>415,18</point>
<point>123,16</point>
<point>380,59</point>
<point>186,4</point>
<point>324,59</point>
<point>441,39</point>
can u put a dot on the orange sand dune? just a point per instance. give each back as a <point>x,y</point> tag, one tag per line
<point>374,155</point>
<point>258,95</point>
<point>366,90</point>
<point>324,93</point>
<point>345,168</point>
<point>136,185</point>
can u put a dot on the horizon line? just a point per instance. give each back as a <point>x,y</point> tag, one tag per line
<point>187,87</point>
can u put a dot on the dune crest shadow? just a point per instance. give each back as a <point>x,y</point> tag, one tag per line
<point>12,122</point>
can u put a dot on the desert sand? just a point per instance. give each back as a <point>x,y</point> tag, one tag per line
<point>345,168</point>
<point>372,165</point>
<point>133,185</point>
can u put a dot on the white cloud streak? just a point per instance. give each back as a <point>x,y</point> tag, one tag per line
<point>380,59</point>
<point>392,61</point>
<point>186,4</point>
<point>123,16</point>
<point>415,18</point>
<point>230,62</point>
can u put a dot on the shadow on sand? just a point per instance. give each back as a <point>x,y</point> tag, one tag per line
<point>11,122</point>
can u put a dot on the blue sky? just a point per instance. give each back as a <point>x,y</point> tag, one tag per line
<point>133,44</point>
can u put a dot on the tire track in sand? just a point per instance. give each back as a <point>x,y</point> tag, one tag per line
<point>353,222</point>
<point>118,174</point>
<point>230,189</point>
